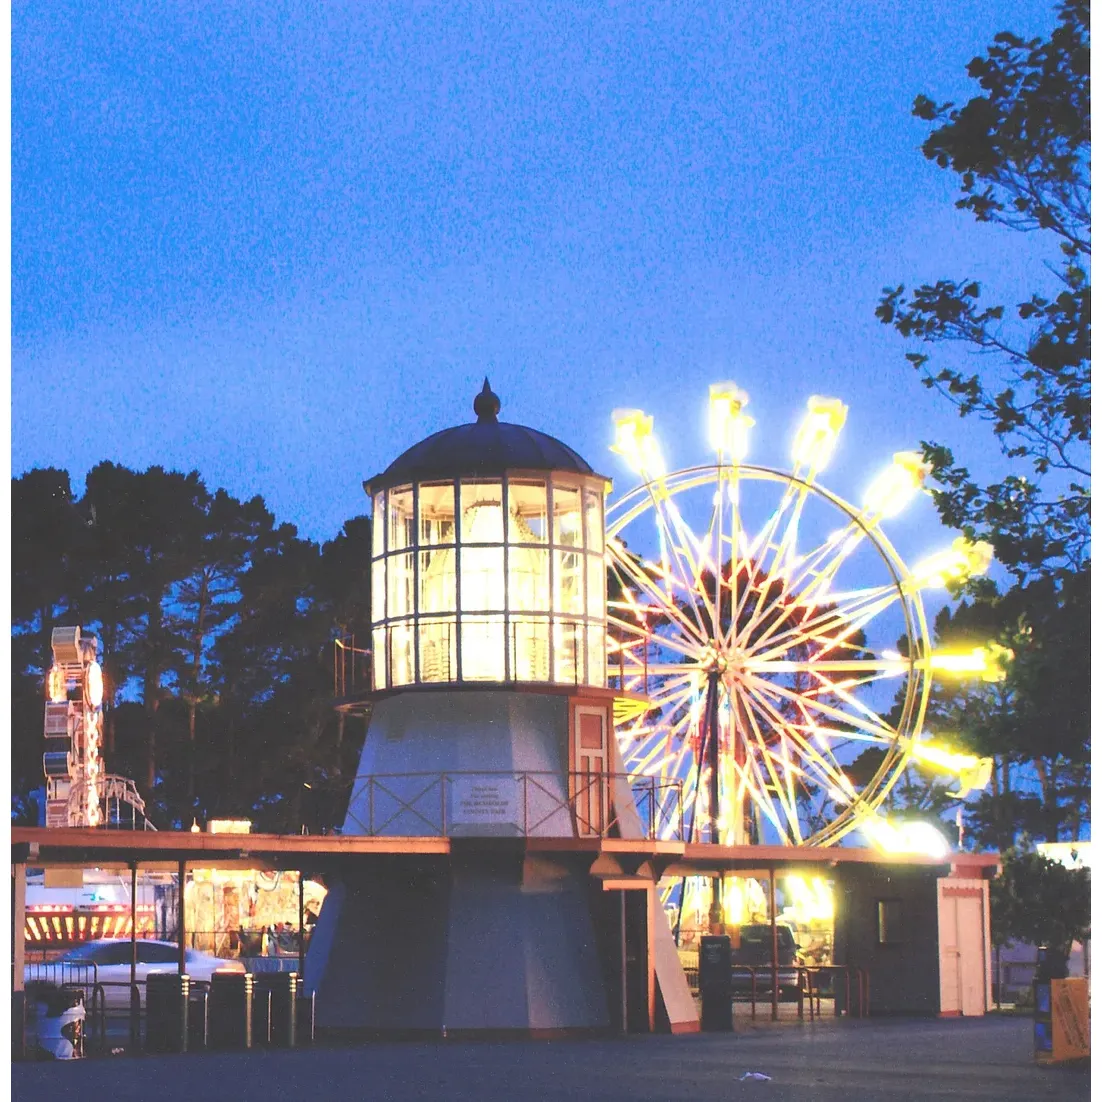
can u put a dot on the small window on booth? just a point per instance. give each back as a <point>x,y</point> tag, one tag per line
<point>889,922</point>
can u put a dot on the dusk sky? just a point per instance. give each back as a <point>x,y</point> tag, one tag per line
<point>280,243</point>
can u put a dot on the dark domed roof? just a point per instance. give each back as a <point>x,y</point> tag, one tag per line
<point>486,448</point>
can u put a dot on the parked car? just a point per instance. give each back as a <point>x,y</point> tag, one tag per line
<point>756,949</point>
<point>108,962</point>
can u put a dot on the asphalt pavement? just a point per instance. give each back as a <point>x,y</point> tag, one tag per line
<point>834,1060</point>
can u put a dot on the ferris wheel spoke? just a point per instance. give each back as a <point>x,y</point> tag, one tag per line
<point>828,772</point>
<point>828,624</point>
<point>778,786</point>
<point>634,574</point>
<point>877,728</point>
<point>669,520</point>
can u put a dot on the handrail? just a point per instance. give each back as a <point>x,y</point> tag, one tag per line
<point>543,795</point>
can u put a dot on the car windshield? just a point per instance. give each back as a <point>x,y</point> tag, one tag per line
<point>85,953</point>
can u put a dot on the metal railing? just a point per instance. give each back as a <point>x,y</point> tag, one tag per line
<point>808,987</point>
<point>516,804</point>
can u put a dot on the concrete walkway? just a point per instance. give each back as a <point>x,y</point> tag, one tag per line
<point>830,1061</point>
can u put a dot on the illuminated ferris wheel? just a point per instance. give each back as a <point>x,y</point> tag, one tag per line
<point>769,643</point>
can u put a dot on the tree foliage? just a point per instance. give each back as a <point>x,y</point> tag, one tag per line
<point>1040,902</point>
<point>1021,149</point>
<point>216,626</point>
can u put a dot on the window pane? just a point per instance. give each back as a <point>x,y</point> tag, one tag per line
<point>481,506</point>
<point>120,954</point>
<point>401,654</point>
<point>596,658</point>
<point>399,576</point>
<point>595,586</point>
<point>527,512</point>
<point>378,524</point>
<point>529,580</point>
<point>483,642</point>
<point>568,582</point>
<point>378,590</point>
<point>482,579</point>
<point>529,648</point>
<point>436,506</point>
<point>151,954</point>
<point>568,516</point>
<point>378,657</point>
<point>890,921</point>
<point>594,529</point>
<point>399,508</point>
<point>437,642</point>
<point>567,638</point>
<point>437,580</point>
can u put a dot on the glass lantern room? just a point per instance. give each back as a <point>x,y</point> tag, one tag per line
<point>484,577</point>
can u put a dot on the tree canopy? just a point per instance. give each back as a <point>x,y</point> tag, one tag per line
<point>216,626</point>
<point>1020,149</point>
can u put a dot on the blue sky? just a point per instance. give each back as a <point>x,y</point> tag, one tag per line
<point>279,243</point>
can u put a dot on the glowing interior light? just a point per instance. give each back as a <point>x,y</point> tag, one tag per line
<point>963,560</point>
<point>95,685</point>
<point>55,685</point>
<point>913,836</point>
<point>635,440</point>
<point>728,426</point>
<point>810,900</point>
<point>892,490</point>
<point>818,433</point>
<point>734,906</point>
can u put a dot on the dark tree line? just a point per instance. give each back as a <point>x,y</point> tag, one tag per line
<point>216,627</point>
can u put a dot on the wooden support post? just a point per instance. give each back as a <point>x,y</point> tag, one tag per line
<point>135,996</point>
<point>181,924</point>
<point>773,927</point>
<point>301,924</point>
<point>623,962</point>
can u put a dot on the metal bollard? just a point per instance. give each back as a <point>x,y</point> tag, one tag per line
<point>166,1012</point>
<point>277,997</point>
<point>231,1010</point>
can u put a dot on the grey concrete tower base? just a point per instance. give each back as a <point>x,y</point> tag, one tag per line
<point>488,939</point>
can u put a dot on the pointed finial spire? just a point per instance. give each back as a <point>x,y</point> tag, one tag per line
<point>487,404</point>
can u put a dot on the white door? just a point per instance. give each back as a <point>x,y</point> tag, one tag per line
<point>960,934</point>
<point>590,781</point>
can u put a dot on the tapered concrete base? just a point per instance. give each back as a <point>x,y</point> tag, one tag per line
<point>488,940</point>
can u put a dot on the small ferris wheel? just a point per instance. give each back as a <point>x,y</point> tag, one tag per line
<point>768,641</point>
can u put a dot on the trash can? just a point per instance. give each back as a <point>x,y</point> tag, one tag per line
<point>714,970</point>
<point>60,1032</point>
<point>166,1011</point>
<point>198,1018</point>
<point>231,1010</point>
<point>274,1008</point>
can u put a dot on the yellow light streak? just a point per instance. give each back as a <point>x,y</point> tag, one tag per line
<point>989,662</point>
<point>892,490</point>
<point>818,433</point>
<point>728,426</point>
<point>963,560</point>
<point>635,441</point>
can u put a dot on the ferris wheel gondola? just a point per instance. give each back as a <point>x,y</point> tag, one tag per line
<point>770,643</point>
